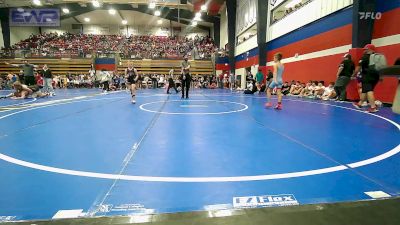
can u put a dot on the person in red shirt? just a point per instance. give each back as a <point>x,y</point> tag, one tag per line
<point>39,80</point>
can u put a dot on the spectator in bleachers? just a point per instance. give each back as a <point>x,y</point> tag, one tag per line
<point>82,45</point>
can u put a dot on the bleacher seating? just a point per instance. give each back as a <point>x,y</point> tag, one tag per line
<point>199,67</point>
<point>81,66</point>
<point>58,66</point>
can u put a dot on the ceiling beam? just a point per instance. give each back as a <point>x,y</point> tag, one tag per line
<point>76,19</point>
<point>120,15</point>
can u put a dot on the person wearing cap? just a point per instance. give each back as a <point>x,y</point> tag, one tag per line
<point>346,69</point>
<point>27,70</point>
<point>369,79</point>
<point>185,77</point>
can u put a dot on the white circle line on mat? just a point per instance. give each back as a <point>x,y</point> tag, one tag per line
<point>369,161</point>
<point>17,104</point>
<point>245,107</point>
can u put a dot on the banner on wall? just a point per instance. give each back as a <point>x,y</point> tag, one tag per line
<point>49,17</point>
<point>105,63</point>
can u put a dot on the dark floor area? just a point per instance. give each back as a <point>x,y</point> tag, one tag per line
<point>375,212</point>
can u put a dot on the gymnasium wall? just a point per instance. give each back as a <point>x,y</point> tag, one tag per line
<point>314,51</point>
<point>222,63</point>
<point>223,28</point>
<point>386,37</point>
<point>1,38</point>
<point>59,30</point>
<point>310,12</point>
<point>21,33</point>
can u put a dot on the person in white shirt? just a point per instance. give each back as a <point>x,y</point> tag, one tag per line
<point>319,90</point>
<point>329,92</point>
<point>92,74</point>
<point>161,81</point>
<point>105,80</point>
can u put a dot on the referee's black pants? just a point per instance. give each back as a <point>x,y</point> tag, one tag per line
<point>29,80</point>
<point>186,87</point>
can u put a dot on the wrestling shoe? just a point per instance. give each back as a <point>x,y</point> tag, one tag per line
<point>373,110</point>
<point>268,105</point>
<point>356,105</point>
<point>278,107</point>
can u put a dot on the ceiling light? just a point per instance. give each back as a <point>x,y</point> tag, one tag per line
<point>96,3</point>
<point>37,2</point>
<point>124,22</point>
<point>87,19</point>
<point>112,11</point>
<point>159,22</point>
<point>157,13</point>
<point>65,10</point>
<point>194,23</point>
<point>198,14</point>
<point>152,5</point>
<point>203,7</point>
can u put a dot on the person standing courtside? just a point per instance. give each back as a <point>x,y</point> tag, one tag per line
<point>277,81</point>
<point>186,78</point>
<point>92,74</point>
<point>259,79</point>
<point>48,80</point>
<point>171,83</point>
<point>345,71</point>
<point>369,77</point>
<point>28,71</point>
<point>132,77</point>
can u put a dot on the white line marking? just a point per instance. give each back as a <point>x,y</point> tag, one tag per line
<point>22,103</point>
<point>245,107</point>
<point>68,214</point>
<point>193,106</point>
<point>202,179</point>
<point>377,194</point>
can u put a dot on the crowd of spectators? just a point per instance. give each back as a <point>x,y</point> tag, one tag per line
<point>311,89</point>
<point>283,14</point>
<point>117,80</point>
<point>167,47</point>
<point>85,45</point>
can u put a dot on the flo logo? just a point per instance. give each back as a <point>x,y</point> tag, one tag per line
<point>7,218</point>
<point>264,201</point>
<point>370,15</point>
<point>104,208</point>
